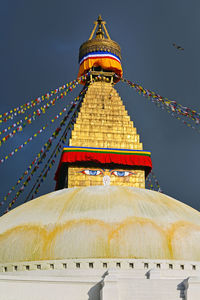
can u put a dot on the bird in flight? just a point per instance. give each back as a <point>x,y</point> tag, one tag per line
<point>178,47</point>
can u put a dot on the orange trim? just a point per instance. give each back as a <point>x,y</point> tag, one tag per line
<point>107,63</point>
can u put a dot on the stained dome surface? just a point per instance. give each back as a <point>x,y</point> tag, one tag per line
<point>100,222</point>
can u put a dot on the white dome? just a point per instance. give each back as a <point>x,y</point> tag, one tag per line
<point>100,222</point>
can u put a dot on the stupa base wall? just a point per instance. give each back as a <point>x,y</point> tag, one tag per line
<point>100,279</point>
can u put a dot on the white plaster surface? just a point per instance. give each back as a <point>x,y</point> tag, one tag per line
<point>101,279</point>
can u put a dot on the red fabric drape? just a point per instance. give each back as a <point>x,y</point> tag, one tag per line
<point>105,158</point>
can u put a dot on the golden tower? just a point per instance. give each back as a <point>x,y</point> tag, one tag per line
<point>104,147</point>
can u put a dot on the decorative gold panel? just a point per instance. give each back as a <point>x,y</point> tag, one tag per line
<point>76,177</point>
<point>103,122</point>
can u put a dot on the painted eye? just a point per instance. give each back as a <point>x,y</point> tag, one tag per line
<point>91,172</point>
<point>122,173</point>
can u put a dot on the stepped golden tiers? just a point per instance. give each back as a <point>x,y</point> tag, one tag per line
<point>103,122</point>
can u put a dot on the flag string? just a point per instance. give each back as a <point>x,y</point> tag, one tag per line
<point>5,158</point>
<point>152,183</point>
<point>51,160</point>
<point>30,118</point>
<point>21,109</point>
<point>41,156</point>
<point>170,105</point>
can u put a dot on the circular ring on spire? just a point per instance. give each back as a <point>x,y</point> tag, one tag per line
<point>100,52</point>
<point>102,45</point>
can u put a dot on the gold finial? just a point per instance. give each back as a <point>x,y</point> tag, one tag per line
<point>99,33</point>
<point>101,26</point>
<point>99,20</point>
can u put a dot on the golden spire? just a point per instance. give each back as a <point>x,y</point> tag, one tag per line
<point>104,147</point>
<point>99,33</point>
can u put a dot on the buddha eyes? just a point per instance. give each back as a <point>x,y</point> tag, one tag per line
<point>98,172</point>
<point>122,173</point>
<point>91,172</point>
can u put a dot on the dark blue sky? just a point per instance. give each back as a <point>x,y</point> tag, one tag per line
<point>39,51</point>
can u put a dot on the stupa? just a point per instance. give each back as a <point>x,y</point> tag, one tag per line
<point>101,234</point>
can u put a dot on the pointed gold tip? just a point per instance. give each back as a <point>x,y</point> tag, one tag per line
<point>99,19</point>
<point>101,29</point>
